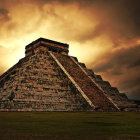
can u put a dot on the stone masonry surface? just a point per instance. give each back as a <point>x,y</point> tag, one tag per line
<point>38,83</point>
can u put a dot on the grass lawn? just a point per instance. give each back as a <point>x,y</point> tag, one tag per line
<point>69,125</point>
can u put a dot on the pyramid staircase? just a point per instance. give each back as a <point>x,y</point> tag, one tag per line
<point>119,99</point>
<point>48,79</point>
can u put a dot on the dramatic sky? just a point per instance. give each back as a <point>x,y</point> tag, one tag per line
<point>104,34</point>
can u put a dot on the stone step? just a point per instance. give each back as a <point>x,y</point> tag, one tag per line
<point>82,65</point>
<point>47,78</point>
<point>90,73</point>
<point>46,87</point>
<point>42,83</point>
<point>98,77</point>
<point>37,104</point>
<point>105,84</point>
<point>110,90</point>
<point>35,101</point>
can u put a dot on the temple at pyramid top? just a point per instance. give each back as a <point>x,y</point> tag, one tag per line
<point>46,45</point>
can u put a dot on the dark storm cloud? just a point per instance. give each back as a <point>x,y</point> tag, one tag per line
<point>130,81</point>
<point>93,33</point>
<point>3,11</point>
<point>120,19</point>
<point>127,57</point>
<point>3,15</point>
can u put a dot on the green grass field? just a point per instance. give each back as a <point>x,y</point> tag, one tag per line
<point>69,125</point>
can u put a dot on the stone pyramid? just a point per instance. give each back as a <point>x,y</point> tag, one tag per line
<point>48,79</point>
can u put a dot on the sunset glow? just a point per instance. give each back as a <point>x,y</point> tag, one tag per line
<point>103,34</point>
